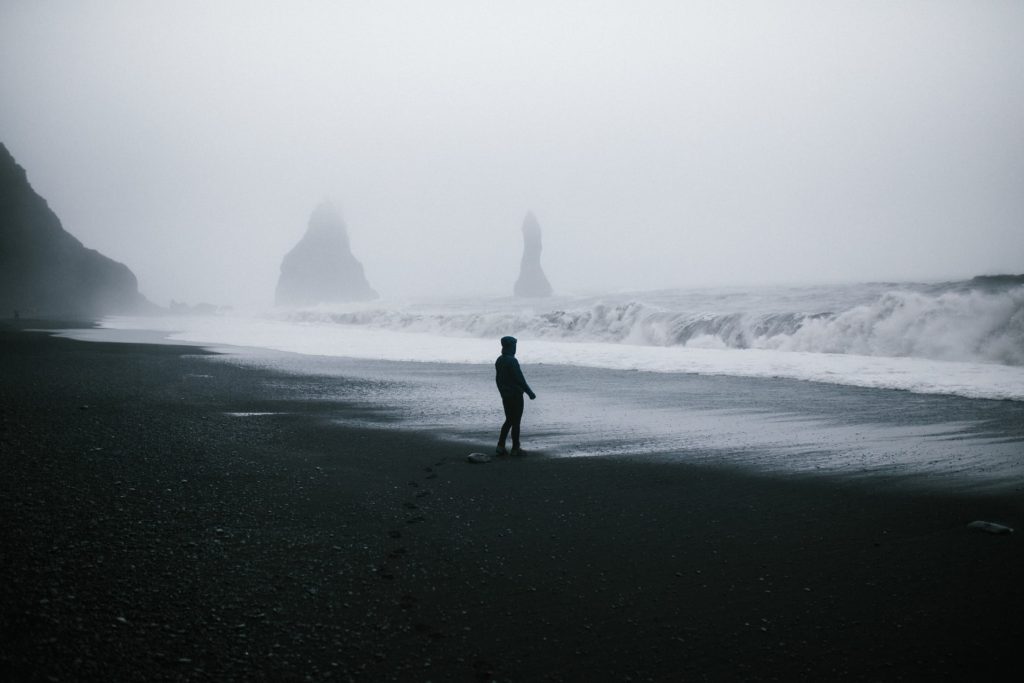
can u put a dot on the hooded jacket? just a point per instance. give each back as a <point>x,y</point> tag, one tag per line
<point>508,376</point>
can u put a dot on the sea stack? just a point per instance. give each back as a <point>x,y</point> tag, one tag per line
<point>532,282</point>
<point>321,267</point>
<point>47,272</point>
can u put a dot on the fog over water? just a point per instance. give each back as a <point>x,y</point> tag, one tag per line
<point>659,144</point>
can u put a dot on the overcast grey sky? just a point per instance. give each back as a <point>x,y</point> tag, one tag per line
<point>659,143</point>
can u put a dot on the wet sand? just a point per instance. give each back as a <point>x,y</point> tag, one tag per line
<point>149,533</point>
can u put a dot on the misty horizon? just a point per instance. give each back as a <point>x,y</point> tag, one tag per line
<point>660,145</point>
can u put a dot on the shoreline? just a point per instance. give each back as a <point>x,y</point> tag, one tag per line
<point>777,426</point>
<point>151,534</point>
<point>925,375</point>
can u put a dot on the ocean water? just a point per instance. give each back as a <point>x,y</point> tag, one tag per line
<point>958,338</point>
<point>908,380</point>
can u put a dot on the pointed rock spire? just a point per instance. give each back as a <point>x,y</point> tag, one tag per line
<point>532,282</point>
<point>321,267</point>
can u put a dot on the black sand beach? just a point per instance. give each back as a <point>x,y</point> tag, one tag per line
<point>147,533</point>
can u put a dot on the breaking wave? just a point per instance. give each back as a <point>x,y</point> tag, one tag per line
<point>955,322</point>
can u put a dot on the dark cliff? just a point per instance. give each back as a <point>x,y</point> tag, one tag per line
<point>321,267</point>
<point>44,270</point>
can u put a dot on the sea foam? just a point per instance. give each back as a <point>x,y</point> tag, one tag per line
<point>953,321</point>
<point>923,375</point>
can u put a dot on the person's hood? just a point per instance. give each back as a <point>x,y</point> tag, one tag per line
<point>508,345</point>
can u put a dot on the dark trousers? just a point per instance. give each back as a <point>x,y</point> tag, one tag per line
<point>513,406</point>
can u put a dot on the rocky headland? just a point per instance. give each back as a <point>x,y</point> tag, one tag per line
<point>44,270</point>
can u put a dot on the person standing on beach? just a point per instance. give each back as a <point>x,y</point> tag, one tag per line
<point>511,385</point>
